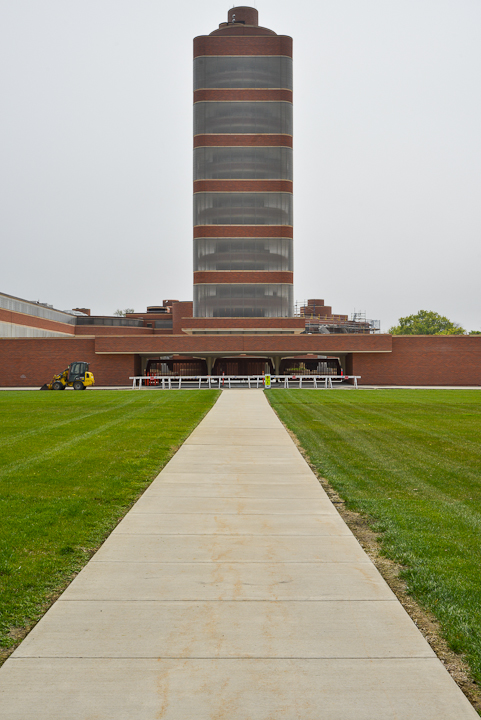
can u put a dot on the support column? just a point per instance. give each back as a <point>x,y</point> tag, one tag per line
<point>210,364</point>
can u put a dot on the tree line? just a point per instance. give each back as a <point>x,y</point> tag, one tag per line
<point>427,322</point>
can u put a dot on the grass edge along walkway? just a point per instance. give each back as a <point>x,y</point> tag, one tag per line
<point>409,461</point>
<point>71,466</point>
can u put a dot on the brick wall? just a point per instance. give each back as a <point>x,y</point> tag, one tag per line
<point>414,360</point>
<point>32,321</point>
<point>243,186</point>
<point>215,45</point>
<point>242,140</point>
<point>29,362</point>
<point>93,330</point>
<point>287,323</point>
<point>423,360</point>
<point>181,310</point>
<point>275,344</point>
<point>242,276</point>
<point>250,95</point>
<point>241,231</point>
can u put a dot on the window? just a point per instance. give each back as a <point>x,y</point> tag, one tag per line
<point>243,72</point>
<point>261,254</point>
<point>243,209</point>
<point>243,117</point>
<point>243,163</point>
<point>254,300</point>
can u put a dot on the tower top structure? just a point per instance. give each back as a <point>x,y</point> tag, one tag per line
<point>242,20</point>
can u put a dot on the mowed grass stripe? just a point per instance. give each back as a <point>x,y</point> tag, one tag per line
<point>410,445</point>
<point>11,435</point>
<point>410,460</point>
<point>88,457</point>
<point>43,437</point>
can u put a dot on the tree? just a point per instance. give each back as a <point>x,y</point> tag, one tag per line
<point>123,313</point>
<point>426,322</point>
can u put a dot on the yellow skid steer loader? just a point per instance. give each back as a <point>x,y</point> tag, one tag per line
<point>77,375</point>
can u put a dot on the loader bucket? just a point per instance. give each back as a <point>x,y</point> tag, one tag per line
<point>44,387</point>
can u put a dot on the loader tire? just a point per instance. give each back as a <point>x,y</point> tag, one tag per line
<point>57,385</point>
<point>78,385</point>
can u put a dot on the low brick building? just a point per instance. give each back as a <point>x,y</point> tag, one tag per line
<point>37,341</point>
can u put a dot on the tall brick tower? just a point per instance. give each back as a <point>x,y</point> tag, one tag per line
<point>243,260</point>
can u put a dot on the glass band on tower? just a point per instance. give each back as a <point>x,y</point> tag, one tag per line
<point>243,234</point>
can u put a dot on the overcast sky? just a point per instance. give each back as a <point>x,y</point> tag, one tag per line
<point>96,152</point>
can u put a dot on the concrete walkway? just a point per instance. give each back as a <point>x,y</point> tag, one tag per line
<point>232,590</point>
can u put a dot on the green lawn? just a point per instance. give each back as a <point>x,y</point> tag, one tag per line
<point>71,464</point>
<point>411,460</point>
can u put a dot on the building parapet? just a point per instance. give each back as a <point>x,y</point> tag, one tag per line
<point>35,309</point>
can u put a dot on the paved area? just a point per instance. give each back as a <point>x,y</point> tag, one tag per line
<point>232,590</point>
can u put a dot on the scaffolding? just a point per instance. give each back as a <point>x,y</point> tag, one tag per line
<point>320,320</point>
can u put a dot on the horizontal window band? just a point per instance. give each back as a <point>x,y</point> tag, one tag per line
<point>243,231</point>
<point>243,140</point>
<point>244,208</point>
<point>271,254</point>
<point>243,45</point>
<point>246,277</point>
<point>242,163</point>
<point>242,72</point>
<point>243,186</point>
<point>246,94</point>
<point>243,117</point>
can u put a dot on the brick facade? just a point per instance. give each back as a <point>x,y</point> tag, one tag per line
<point>241,231</point>
<point>243,186</point>
<point>423,360</point>
<point>32,321</point>
<point>379,359</point>
<point>215,45</point>
<point>29,362</point>
<point>191,323</point>
<point>242,276</point>
<point>253,94</point>
<point>242,140</point>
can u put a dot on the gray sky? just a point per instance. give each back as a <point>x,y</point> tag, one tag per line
<point>96,152</point>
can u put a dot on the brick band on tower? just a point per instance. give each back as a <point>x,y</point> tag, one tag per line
<point>243,255</point>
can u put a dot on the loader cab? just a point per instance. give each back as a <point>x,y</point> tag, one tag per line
<point>77,370</point>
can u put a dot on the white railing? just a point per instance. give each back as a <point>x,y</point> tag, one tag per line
<point>170,382</point>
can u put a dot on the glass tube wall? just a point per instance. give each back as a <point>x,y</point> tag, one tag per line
<point>243,257</point>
